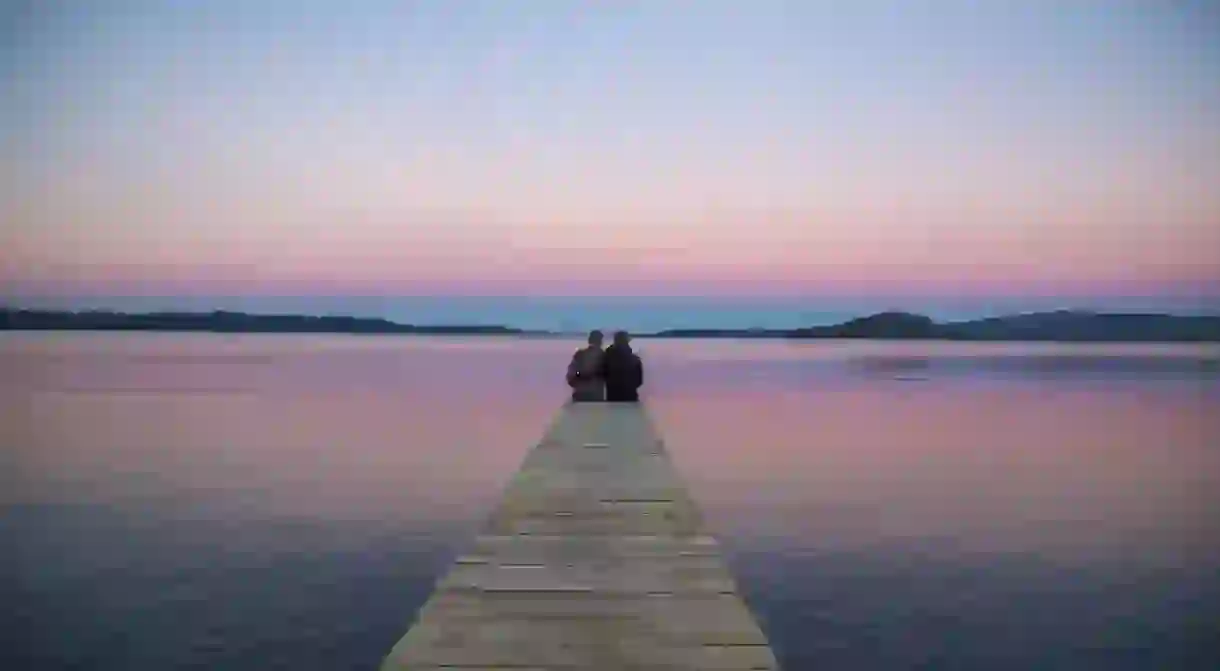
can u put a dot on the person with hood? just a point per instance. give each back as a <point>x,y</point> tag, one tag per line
<point>622,371</point>
<point>585,371</point>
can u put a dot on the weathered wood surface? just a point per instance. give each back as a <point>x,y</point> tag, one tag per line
<point>596,558</point>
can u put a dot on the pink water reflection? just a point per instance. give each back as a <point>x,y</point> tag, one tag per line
<point>1072,474</point>
<point>1065,493</point>
<point>320,429</point>
<point>334,427</point>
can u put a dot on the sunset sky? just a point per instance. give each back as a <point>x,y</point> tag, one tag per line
<point>646,163</point>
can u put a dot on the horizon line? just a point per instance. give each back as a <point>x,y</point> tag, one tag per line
<point>328,315</point>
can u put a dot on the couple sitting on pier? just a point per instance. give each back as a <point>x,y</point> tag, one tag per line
<point>614,374</point>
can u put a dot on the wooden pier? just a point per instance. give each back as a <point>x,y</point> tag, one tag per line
<point>596,558</point>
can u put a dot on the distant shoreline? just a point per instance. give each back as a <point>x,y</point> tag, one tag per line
<point>1059,326</point>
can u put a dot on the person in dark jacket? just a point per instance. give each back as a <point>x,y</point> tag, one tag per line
<point>622,370</point>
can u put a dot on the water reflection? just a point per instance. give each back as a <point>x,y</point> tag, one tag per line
<point>252,501</point>
<point>959,526</point>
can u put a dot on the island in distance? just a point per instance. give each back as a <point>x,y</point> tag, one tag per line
<point>224,322</point>
<point>1063,325</point>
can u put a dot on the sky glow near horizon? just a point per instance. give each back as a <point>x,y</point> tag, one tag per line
<point>311,148</point>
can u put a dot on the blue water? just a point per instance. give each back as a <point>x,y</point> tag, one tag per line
<point>255,502</point>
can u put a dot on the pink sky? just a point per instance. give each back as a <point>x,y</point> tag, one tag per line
<point>638,152</point>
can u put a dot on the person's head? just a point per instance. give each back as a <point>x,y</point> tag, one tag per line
<point>621,338</point>
<point>596,338</point>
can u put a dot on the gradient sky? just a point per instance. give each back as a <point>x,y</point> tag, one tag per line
<point>902,154</point>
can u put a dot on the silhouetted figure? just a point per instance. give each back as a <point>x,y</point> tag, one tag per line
<point>622,370</point>
<point>585,371</point>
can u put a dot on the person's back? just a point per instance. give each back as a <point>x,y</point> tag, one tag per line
<point>585,371</point>
<point>622,371</point>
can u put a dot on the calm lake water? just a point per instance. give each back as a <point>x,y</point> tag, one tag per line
<point>277,501</point>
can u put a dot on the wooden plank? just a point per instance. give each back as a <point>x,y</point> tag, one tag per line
<point>596,558</point>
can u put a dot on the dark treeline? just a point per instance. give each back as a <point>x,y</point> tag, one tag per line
<point>226,322</point>
<point>1063,326</point>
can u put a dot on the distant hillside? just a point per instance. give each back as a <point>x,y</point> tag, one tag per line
<point>882,325</point>
<point>1067,325</point>
<point>224,322</point>
<point>1062,326</point>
